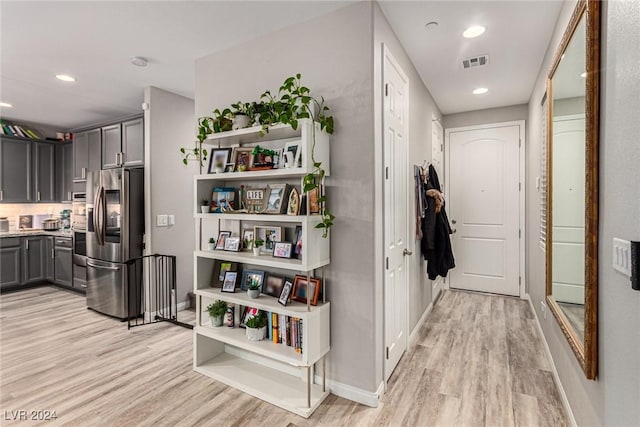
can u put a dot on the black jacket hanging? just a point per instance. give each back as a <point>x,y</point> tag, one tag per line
<point>435,243</point>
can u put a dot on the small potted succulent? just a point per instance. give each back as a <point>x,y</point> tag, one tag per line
<point>257,243</point>
<point>217,311</point>
<point>256,327</point>
<point>253,290</point>
<point>204,206</point>
<point>211,244</point>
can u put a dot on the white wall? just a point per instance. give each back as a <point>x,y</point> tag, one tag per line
<point>488,116</point>
<point>422,108</point>
<point>169,125</point>
<point>612,400</point>
<point>333,54</point>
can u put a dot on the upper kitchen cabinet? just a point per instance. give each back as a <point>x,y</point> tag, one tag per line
<point>86,153</point>
<point>44,168</point>
<point>15,169</point>
<point>123,144</point>
<point>64,172</point>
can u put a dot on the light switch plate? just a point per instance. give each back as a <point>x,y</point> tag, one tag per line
<point>622,256</point>
<point>161,220</point>
<point>172,219</point>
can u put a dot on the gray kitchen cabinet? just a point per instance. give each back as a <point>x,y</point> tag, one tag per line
<point>111,146</point>
<point>33,261</point>
<point>15,170</point>
<point>44,168</point>
<point>80,277</point>
<point>11,261</point>
<point>133,143</point>
<point>63,271</point>
<point>80,156</point>
<point>94,141</point>
<point>64,172</point>
<point>49,259</point>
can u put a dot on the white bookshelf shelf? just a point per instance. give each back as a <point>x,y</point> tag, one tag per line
<point>263,260</point>
<point>310,220</point>
<point>254,175</point>
<point>252,134</point>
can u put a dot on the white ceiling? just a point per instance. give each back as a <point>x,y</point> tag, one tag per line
<point>516,39</point>
<point>94,40</point>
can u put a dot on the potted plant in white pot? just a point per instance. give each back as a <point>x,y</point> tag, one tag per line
<point>257,243</point>
<point>242,115</point>
<point>253,290</point>
<point>216,311</point>
<point>204,206</point>
<point>211,244</point>
<point>256,327</point>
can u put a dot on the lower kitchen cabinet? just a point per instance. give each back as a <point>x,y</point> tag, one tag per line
<point>11,261</point>
<point>50,259</point>
<point>63,271</point>
<point>34,259</point>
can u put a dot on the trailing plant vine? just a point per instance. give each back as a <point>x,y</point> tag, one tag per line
<point>292,103</point>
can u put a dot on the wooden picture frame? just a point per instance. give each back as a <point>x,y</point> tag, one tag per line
<point>255,199</point>
<point>221,240</point>
<point>273,285</point>
<point>223,199</point>
<point>269,234</point>
<point>241,158</point>
<point>285,295</point>
<point>300,289</point>
<point>232,244</point>
<point>219,157</point>
<point>315,206</point>
<point>229,282</point>
<point>276,196</point>
<point>252,275</point>
<point>293,206</point>
<point>282,250</point>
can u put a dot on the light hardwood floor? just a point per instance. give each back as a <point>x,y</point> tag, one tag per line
<point>477,362</point>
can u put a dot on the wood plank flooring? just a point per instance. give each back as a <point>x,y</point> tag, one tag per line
<point>477,362</point>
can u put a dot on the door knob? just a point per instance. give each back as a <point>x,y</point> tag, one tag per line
<point>453,221</point>
<point>407,252</point>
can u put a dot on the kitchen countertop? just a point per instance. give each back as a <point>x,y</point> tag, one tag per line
<point>59,233</point>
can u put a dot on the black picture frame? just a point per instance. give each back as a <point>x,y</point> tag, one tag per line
<point>282,249</point>
<point>219,269</point>
<point>219,156</point>
<point>250,275</point>
<point>221,240</point>
<point>285,295</point>
<point>247,313</point>
<point>229,283</point>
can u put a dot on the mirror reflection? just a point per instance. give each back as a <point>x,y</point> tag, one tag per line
<point>568,181</point>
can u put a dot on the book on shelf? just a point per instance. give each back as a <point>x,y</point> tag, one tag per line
<point>285,330</point>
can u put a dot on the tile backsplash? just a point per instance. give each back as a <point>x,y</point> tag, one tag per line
<point>13,210</point>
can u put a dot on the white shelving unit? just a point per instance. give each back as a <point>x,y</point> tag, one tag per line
<point>273,372</point>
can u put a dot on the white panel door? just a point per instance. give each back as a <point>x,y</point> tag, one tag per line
<point>395,128</point>
<point>568,209</point>
<point>437,160</point>
<point>483,172</point>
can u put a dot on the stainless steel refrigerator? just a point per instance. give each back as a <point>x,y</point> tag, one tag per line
<point>115,229</point>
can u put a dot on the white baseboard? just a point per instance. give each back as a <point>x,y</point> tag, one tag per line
<point>556,377</point>
<point>414,333</point>
<point>353,393</point>
<point>183,305</point>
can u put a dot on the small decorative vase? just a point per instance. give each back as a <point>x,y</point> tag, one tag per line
<point>240,121</point>
<point>216,321</point>
<point>211,246</point>
<point>256,251</point>
<point>254,334</point>
<point>204,209</point>
<point>253,293</point>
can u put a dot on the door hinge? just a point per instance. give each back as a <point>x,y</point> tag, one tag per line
<point>387,262</point>
<point>387,353</point>
<point>386,89</point>
<point>519,280</point>
<point>387,172</point>
<point>519,186</point>
<point>519,233</point>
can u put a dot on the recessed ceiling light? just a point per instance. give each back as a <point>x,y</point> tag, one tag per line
<point>6,104</point>
<point>480,91</point>
<point>431,25</point>
<point>138,61</point>
<point>583,74</point>
<point>65,78</point>
<point>473,31</point>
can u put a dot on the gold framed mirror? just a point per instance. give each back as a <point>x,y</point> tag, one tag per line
<point>573,119</point>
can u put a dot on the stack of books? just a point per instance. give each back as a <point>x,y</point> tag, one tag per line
<point>17,130</point>
<point>285,330</point>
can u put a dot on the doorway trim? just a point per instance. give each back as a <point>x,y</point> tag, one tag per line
<point>522,194</point>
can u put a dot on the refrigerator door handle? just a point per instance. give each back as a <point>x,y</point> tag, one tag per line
<point>101,267</point>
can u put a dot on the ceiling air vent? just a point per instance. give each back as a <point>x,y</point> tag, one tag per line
<point>476,61</point>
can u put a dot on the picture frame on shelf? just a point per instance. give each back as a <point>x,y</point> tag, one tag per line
<point>255,199</point>
<point>232,244</point>
<point>262,158</point>
<point>301,290</point>
<point>242,158</point>
<point>297,243</point>
<point>218,159</point>
<point>219,270</point>
<point>278,159</point>
<point>223,199</point>
<point>282,249</point>
<point>252,276</point>
<point>247,314</point>
<point>222,239</point>
<point>269,235</point>
<point>247,239</point>
<point>278,193</point>
<point>293,206</point>
<point>293,160</point>
<point>229,282</point>
<point>273,285</point>
<point>285,295</point>
<point>314,201</point>
<point>230,167</point>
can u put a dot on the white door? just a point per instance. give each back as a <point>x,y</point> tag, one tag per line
<point>483,179</point>
<point>437,160</point>
<point>396,209</point>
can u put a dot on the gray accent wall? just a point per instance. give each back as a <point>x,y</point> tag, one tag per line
<point>488,116</point>
<point>169,125</point>
<point>611,400</point>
